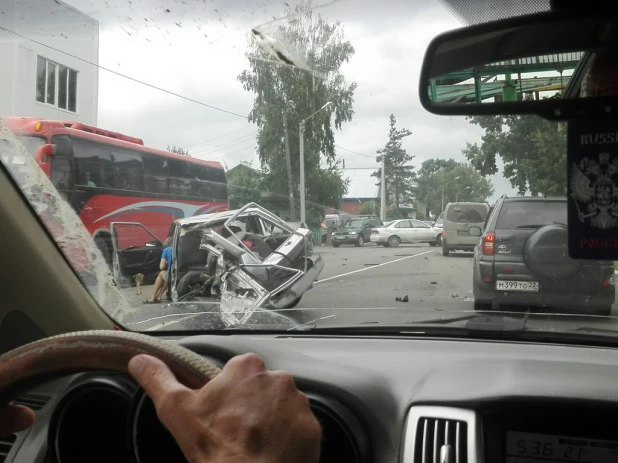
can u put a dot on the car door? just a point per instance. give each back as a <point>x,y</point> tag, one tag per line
<point>403,229</point>
<point>422,231</point>
<point>136,250</point>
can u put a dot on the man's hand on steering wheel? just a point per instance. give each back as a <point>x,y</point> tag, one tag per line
<point>245,414</point>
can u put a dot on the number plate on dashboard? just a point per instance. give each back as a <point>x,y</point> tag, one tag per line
<point>529,286</point>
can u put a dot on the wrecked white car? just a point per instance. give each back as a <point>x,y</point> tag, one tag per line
<point>246,258</point>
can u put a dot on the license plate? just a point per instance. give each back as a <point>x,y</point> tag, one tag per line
<point>530,286</point>
<point>463,232</point>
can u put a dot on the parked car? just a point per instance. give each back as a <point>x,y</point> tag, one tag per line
<point>405,231</point>
<point>522,260</point>
<point>355,231</point>
<point>458,218</point>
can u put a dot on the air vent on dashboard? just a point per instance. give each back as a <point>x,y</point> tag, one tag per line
<point>5,446</point>
<point>441,440</point>
<point>440,434</point>
<point>33,401</point>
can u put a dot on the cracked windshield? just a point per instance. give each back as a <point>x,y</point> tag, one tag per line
<point>209,165</point>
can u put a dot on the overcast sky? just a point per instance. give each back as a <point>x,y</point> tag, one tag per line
<point>196,48</point>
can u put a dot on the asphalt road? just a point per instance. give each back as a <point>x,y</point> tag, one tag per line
<point>355,279</point>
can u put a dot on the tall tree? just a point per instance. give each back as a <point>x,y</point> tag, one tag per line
<point>398,173</point>
<point>178,150</point>
<point>434,174</point>
<point>245,185</point>
<point>533,151</point>
<point>300,91</point>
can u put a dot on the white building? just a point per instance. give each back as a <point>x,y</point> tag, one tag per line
<point>46,48</point>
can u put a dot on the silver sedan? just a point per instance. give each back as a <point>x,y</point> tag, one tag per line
<point>392,234</point>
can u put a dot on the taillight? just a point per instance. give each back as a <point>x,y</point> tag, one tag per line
<point>488,243</point>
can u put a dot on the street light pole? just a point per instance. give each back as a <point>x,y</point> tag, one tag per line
<point>459,192</point>
<point>288,166</point>
<point>383,190</point>
<point>301,146</point>
<point>443,187</point>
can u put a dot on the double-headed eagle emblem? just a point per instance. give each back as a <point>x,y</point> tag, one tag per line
<point>594,189</point>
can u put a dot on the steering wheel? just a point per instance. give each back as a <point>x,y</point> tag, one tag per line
<point>37,362</point>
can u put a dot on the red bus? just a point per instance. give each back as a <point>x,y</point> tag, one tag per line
<point>109,177</point>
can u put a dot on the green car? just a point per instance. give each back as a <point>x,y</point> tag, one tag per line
<point>355,231</point>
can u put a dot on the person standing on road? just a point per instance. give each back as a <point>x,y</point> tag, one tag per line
<point>324,230</point>
<point>163,278</point>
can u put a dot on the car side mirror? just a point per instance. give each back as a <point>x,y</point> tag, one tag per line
<point>154,244</point>
<point>475,231</point>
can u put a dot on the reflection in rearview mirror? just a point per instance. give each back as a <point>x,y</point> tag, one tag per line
<point>541,64</point>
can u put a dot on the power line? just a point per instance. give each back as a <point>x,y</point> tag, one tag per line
<point>216,138</point>
<point>354,152</point>
<point>124,75</point>
<point>227,144</point>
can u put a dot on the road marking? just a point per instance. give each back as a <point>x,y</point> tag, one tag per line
<point>370,268</point>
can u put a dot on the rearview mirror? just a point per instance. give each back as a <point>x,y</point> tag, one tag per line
<point>532,64</point>
<point>474,231</point>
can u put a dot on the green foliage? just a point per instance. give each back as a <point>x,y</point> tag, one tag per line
<point>370,208</point>
<point>320,44</point>
<point>533,151</point>
<point>178,150</point>
<point>244,185</point>
<point>435,173</point>
<point>398,174</point>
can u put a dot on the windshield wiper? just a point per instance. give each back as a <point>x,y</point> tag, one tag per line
<point>539,225</point>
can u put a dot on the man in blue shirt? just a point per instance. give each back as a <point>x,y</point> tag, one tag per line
<point>163,278</point>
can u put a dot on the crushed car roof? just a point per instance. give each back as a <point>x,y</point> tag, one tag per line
<point>215,217</point>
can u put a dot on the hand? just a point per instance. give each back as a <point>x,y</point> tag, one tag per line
<point>15,418</point>
<point>245,414</point>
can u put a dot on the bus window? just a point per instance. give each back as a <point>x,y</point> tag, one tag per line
<point>155,174</point>
<point>219,185</point>
<point>127,168</point>
<point>93,164</point>
<point>202,185</point>
<point>180,178</point>
<point>61,174</point>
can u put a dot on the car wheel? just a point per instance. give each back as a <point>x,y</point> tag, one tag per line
<point>439,239</point>
<point>393,242</point>
<point>385,245</point>
<point>433,243</point>
<point>359,241</point>
<point>444,251</point>
<point>335,245</point>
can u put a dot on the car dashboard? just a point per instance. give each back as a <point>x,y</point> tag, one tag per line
<point>378,399</point>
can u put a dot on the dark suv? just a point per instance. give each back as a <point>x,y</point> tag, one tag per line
<point>356,231</point>
<point>522,260</point>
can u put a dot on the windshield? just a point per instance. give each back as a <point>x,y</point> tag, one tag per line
<point>166,120</point>
<point>354,223</point>
<point>532,214</point>
<point>466,213</point>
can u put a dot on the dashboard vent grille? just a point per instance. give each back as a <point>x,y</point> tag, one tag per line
<point>33,401</point>
<point>5,446</point>
<point>441,440</point>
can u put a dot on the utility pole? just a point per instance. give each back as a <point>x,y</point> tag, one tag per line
<point>288,166</point>
<point>383,190</point>
<point>301,146</point>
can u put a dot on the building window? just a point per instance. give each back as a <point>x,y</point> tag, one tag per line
<point>56,85</point>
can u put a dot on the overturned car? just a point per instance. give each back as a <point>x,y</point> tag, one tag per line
<point>246,258</point>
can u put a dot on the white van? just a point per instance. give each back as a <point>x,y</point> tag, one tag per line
<point>458,218</point>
